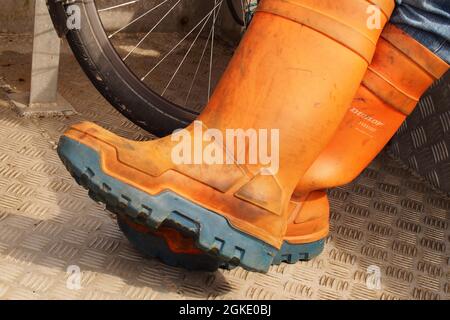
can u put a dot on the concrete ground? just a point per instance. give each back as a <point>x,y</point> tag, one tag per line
<point>385,223</point>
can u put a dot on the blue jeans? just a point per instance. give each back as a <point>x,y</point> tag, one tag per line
<point>427,21</point>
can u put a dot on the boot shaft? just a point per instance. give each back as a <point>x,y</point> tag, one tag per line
<point>401,71</point>
<point>296,70</point>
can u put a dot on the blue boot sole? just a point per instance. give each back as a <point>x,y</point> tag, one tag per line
<point>151,245</point>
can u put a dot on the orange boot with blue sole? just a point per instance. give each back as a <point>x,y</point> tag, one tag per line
<point>239,212</point>
<point>380,106</point>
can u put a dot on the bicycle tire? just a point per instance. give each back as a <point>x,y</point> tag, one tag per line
<point>112,78</point>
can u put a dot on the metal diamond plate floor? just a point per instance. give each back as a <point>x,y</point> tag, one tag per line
<point>386,221</point>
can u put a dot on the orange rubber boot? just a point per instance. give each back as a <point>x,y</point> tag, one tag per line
<point>239,210</point>
<point>401,71</point>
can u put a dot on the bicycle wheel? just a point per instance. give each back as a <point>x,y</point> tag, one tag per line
<point>163,77</point>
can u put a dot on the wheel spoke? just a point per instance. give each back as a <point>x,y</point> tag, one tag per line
<point>212,52</point>
<point>119,6</point>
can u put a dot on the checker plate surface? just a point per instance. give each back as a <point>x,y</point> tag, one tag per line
<point>386,221</point>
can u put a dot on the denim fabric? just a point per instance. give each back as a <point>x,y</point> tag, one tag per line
<point>427,21</point>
